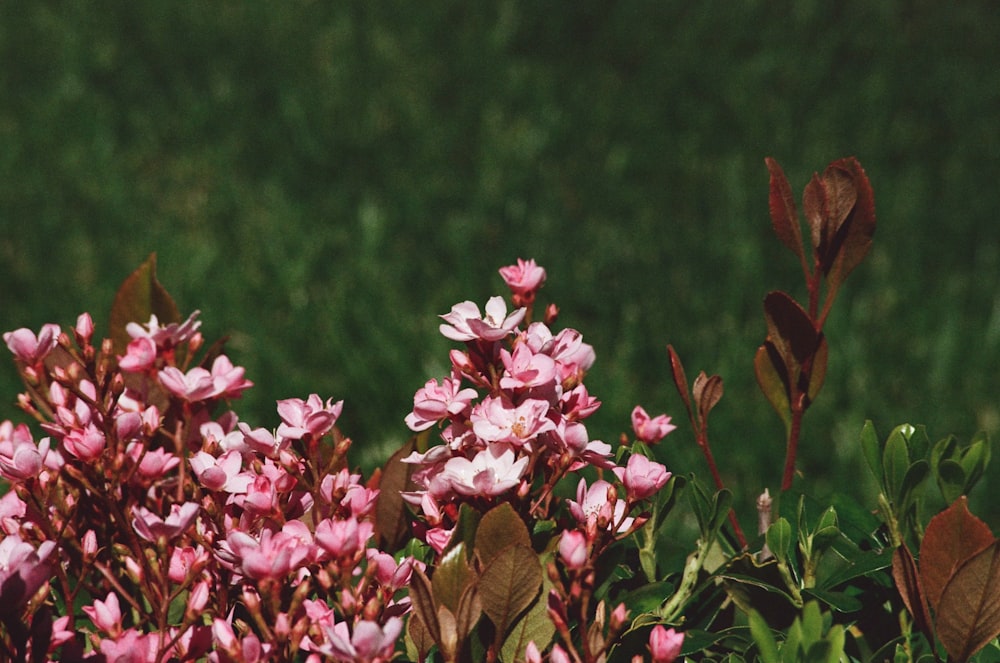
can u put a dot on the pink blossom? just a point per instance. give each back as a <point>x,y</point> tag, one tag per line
<point>32,568</point>
<point>132,647</point>
<point>650,430</point>
<point>531,653</point>
<point>195,385</point>
<point>466,323</point>
<point>434,402</point>
<point>642,477</point>
<point>578,403</point>
<point>488,474</point>
<point>341,539</point>
<point>62,631</point>
<point>524,278</point>
<point>12,510</point>
<point>152,527</point>
<point>438,538</point>
<point>231,649</point>
<point>573,549</point>
<point>20,457</point>
<point>227,380</point>
<point>665,644</point>
<point>573,357</point>
<point>106,615</point>
<point>171,334</point>
<point>84,329</point>
<point>273,555</point>
<point>85,443</point>
<point>598,505</point>
<point>559,655</point>
<point>140,355</point>
<point>307,417</point>
<point>369,643</point>
<point>184,560</point>
<point>31,349</point>
<point>498,420</point>
<point>152,464</point>
<point>224,473</point>
<point>389,573</point>
<point>526,369</point>
<point>263,441</point>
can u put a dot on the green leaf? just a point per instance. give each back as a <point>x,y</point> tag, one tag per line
<point>839,601</point>
<point>140,296</point>
<point>767,646</point>
<point>535,626</point>
<point>974,460</point>
<point>950,479</point>
<point>508,584</point>
<point>779,539</point>
<point>465,529</point>
<point>895,463</point>
<point>722,504</point>
<point>915,476</point>
<point>499,529</point>
<point>872,449</point>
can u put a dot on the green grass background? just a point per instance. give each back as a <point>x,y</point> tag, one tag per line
<point>322,179</point>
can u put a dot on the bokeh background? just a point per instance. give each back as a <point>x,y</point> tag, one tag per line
<point>321,179</point>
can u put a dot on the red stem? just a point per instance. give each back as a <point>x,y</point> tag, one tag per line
<point>792,446</point>
<point>702,439</point>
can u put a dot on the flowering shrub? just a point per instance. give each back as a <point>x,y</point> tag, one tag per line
<point>144,521</point>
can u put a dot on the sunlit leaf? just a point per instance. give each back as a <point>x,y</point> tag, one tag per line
<point>534,626</point>
<point>499,529</point>
<point>451,578</point>
<point>418,636</point>
<point>140,296</point>
<point>784,215</point>
<point>508,584</point>
<point>968,614</point>
<point>771,382</point>
<point>422,600</point>
<point>951,537</point>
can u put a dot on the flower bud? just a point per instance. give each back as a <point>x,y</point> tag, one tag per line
<point>89,544</point>
<point>197,600</point>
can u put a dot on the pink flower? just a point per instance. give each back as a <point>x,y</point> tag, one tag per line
<point>369,643</point>
<point>132,647</point>
<point>140,355</point>
<point>84,329</point>
<point>231,649</point>
<point>434,402</point>
<point>227,380</point>
<point>559,655</point>
<point>573,549</point>
<point>310,417</point>
<point>31,349</point>
<point>20,457</point>
<point>665,644</point>
<point>531,653</point>
<point>487,474</point>
<point>274,555</point>
<point>598,505</point>
<point>151,527</point>
<point>85,443</point>
<point>106,615</point>
<point>498,420</point>
<point>153,464</point>
<point>224,473</point>
<point>642,477</point>
<point>438,538</point>
<point>524,278</point>
<point>341,539</point>
<point>30,566</point>
<point>195,385</point>
<point>388,572</point>
<point>466,323</point>
<point>526,369</point>
<point>184,560</point>
<point>650,430</point>
<point>170,334</point>
<point>573,357</point>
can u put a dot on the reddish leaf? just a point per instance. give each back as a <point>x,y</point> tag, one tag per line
<point>969,611</point>
<point>841,195</point>
<point>391,518</point>
<point>422,600</point>
<point>951,538</point>
<point>817,370</point>
<point>707,393</point>
<point>791,331</point>
<point>815,208</point>
<point>509,584</point>
<point>772,382</point>
<point>853,237</point>
<point>451,578</point>
<point>680,380</point>
<point>139,297</point>
<point>904,572</point>
<point>784,215</point>
<point>498,530</point>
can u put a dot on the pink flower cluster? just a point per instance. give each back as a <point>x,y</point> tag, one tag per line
<point>194,535</point>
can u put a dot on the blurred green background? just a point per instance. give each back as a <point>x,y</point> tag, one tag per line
<point>321,179</point>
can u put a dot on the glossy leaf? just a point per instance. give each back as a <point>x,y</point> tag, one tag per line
<point>895,463</point>
<point>499,529</point>
<point>508,584</point>
<point>848,187</point>
<point>451,578</point>
<point>770,381</point>
<point>871,446</point>
<point>784,215</point>
<point>140,296</point>
<point>950,479</point>
<point>419,637</point>
<point>817,371</point>
<point>779,539</point>
<point>968,614</point>
<point>767,646</point>
<point>422,600</point>
<point>534,626</point>
<point>791,330</point>
<point>951,538</point>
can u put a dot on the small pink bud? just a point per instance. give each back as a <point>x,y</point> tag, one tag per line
<point>84,329</point>
<point>531,653</point>
<point>197,599</point>
<point>559,655</point>
<point>618,618</point>
<point>89,546</point>
<point>133,569</point>
<point>573,549</point>
<point>665,644</point>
